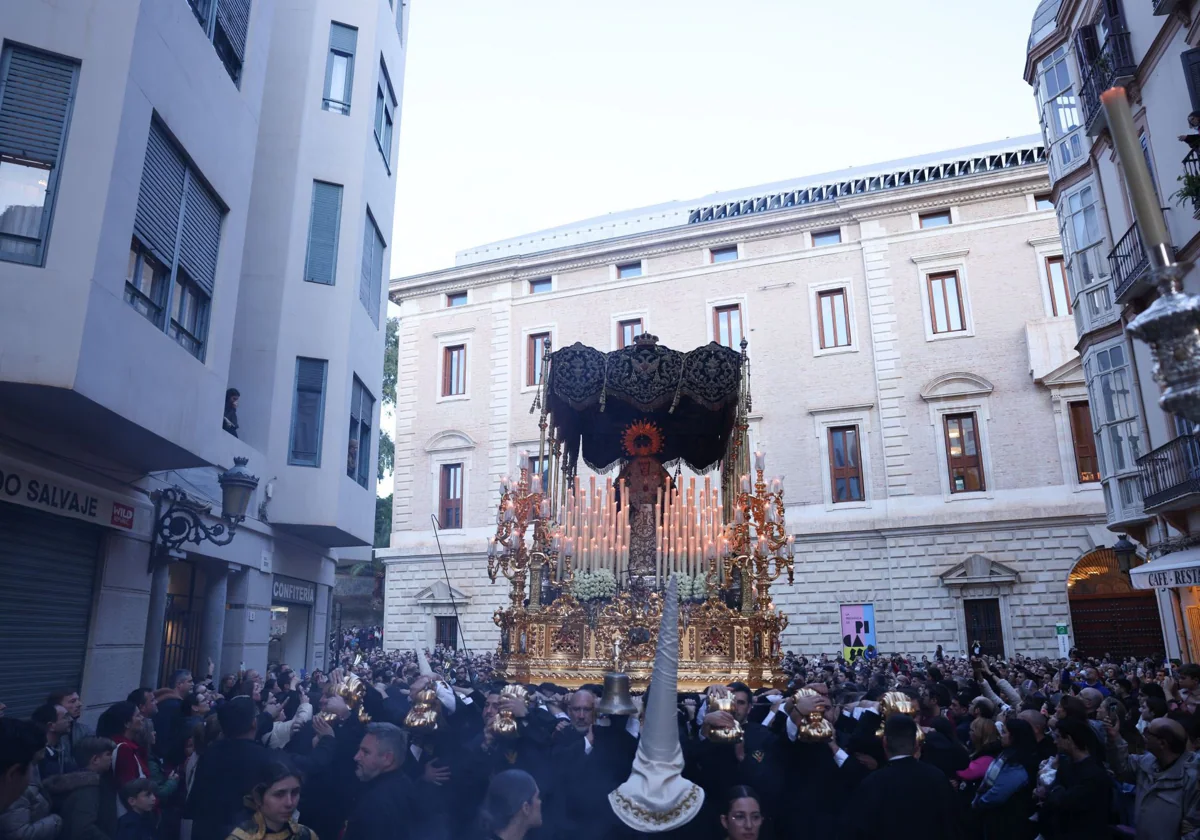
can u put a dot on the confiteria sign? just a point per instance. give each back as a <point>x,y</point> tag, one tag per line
<point>29,486</point>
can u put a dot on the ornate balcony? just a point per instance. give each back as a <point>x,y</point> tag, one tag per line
<point>1171,475</point>
<point>1191,176</point>
<point>1114,65</point>
<point>1128,263</point>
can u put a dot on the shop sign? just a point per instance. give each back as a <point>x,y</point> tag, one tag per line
<point>31,487</point>
<point>291,591</point>
<point>1174,577</point>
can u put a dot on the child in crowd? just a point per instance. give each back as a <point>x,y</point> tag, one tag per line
<point>87,799</point>
<point>140,822</point>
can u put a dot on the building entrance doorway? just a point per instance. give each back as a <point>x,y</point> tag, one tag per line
<point>983,625</point>
<point>1107,614</point>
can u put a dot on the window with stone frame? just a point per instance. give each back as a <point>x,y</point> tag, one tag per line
<point>964,453</point>
<point>450,496</point>
<point>845,465</point>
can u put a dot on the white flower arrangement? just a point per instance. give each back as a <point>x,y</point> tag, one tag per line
<point>691,588</point>
<point>594,586</point>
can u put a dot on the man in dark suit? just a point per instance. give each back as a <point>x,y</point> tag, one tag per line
<point>387,807</point>
<point>589,761</point>
<point>886,801</point>
<point>754,761</point>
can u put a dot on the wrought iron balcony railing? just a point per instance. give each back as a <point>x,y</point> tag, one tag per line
<point>1113,64</point>
<point>1170,472</point>
<point>1127,262</point>
<point>1191,180</point>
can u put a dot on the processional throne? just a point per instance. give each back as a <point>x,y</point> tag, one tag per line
<point>588,562</point>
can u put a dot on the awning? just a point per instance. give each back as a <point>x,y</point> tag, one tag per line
<point>1181,568</point>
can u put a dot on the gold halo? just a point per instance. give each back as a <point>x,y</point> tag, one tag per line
<point>652,435</point>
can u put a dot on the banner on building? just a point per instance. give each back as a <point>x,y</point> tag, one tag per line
<point>858,630</point>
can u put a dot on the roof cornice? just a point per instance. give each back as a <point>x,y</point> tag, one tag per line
<point>935,195</point>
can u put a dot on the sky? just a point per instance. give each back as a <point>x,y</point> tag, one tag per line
<point>526,114</point>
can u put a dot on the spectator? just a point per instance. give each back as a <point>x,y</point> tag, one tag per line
<point>1166,792</point>
<point>170,705</point>
<point>87,799</point>
<point>1004,800</point>
<point>230,420</point>
<point>71,701</point>
<point>139,822</point>
<point>20,744</point>
<point>512,806</point>
<point>1077,804</point>
<point>122,723</point>
<point>275,799</point>
<point>56,723</point>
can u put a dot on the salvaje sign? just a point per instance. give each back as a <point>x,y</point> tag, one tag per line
<point>29,486</point>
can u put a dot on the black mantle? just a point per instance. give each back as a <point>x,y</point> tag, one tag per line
<point>692,397</point>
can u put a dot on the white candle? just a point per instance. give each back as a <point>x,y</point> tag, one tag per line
<point>760,460</point>
<point>745,484</point>
<point>535,484</point>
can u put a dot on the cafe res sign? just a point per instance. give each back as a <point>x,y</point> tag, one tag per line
<point>1174,577</point>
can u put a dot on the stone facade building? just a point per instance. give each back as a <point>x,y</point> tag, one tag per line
<point>906,320</point>
<point>1149,460</point>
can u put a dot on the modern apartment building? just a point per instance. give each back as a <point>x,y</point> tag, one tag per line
<point>914,380</point>
<point>194,197</point>
<point>1149,460</point>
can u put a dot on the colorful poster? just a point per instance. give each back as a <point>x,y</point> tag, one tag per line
<point>858,630</point>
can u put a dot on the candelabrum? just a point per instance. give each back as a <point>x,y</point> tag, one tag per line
<point>759,545</point>
<point>526,538</point>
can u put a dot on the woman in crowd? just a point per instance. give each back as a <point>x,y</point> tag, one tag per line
<point>985,745</point>
<point>742,816</point>
<point>512,806</point>
<point>1004,801</point>
<point>274,801</point>
<point>122,724</point>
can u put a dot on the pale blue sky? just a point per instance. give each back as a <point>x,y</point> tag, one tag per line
<point>525,114</point>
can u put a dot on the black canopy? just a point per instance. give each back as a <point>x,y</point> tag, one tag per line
<point>692,397</point>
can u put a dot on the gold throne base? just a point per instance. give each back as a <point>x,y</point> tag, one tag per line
<point>571,644</point>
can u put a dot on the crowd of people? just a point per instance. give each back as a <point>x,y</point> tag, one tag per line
<point>1010,749</point>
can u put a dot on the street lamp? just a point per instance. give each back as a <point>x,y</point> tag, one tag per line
<point>1125,551</point>
<point>181,522</point>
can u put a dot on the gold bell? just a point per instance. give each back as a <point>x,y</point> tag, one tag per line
<point>616,699</point>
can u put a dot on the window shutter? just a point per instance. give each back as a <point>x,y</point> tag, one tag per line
<point>201,236</point>
<point>343,38</point>
<point>306,411</point>
<point>234,18</point>
<point>35,100</point>
<point>1191,72</point>
<point>323,224</point>
<point>160,196</point>
<point>377,274</point>
<point>1086,49</point>
<point>368,260</point>
<point>1114,13</point>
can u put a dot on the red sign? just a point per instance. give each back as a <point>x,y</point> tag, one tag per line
<point>122,516</point>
